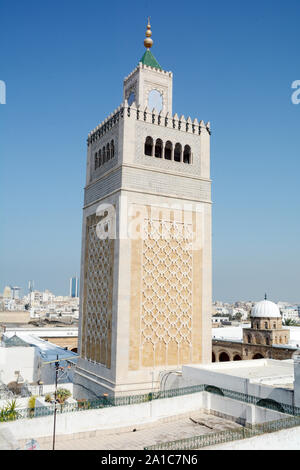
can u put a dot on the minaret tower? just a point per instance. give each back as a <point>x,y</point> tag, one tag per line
<point>145,293</point>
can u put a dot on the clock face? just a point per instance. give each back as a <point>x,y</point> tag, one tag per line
<point>155,101</point>
<point>131,98</point>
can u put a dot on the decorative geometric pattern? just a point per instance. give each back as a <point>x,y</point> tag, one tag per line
<point>166,311</point>
<point>98,298</point>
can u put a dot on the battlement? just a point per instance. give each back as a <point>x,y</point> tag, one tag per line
<point>152,117</point>
<point>147,67</point>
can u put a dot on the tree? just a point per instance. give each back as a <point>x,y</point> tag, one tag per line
<point>9,411</point>
<point>62,394</point>
<point>238,316</point>
<point>290,322</point>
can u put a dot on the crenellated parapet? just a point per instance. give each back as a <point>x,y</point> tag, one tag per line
<point>141,66</point>
<point>133,111</point>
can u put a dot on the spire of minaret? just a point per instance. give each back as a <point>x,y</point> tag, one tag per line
<point>148,58</point>
<point>148,43</point>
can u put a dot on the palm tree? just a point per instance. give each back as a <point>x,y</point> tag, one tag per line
<point>9,411</point>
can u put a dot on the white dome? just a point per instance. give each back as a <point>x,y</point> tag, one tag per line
<point>265,308</point>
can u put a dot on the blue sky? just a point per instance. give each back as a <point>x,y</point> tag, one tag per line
<point>233,62</point>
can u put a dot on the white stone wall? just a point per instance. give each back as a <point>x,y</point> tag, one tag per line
<point>20,359</point>
<point>198,375</point>
<point>297,380</point>
<point>138,415</point>
<point>143,79</point>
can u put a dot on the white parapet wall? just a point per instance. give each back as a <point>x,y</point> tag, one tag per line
<point>249,377</point>
<point>139,415</point>
<point>18,359</point>
<point>297,380</point>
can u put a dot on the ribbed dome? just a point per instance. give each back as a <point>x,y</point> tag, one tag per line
<point>265,308</point>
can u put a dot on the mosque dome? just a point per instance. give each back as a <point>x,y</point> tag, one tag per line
<point>265,308</point>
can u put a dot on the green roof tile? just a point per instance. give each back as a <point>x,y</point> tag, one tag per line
<point>149,59</point>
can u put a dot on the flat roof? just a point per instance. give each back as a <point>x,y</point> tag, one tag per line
<point>235,334</point>
<point>268,371</point>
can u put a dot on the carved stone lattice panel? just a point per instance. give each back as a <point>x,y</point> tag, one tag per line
<point>166,303</point>
<point>98,297</point>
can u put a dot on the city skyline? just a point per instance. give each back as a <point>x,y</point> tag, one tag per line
<point>243,87</point>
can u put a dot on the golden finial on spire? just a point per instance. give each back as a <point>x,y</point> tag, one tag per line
<point>148,41</point>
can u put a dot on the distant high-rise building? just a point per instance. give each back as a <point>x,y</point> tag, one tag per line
<point>15,292</point>
<point>7,294</point>
<point>30,286</point>
<point>74,287</point>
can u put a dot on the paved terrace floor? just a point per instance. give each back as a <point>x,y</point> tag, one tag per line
<point>152,434</point>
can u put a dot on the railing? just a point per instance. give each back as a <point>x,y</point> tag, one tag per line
<point>107,401</point>
<point>210,439</point>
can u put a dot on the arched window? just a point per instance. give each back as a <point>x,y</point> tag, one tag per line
<point>274,326</point>
<point>266,325</point>
<point>168,150</point>
<point>112,149</point>
<point>149,146</point>
<point>158,148</point>
<point>187,154</point>
<point>107,152</point>
<point>223,357</point>
<point>249,338</point>
<point>177,152</point>
<point>99,158</point>
<point>257,356</point>
<point>96,161</point>
<point>237,357</point>
<point>103,155</point>
<point>155,101</point>
<point>267,341</point>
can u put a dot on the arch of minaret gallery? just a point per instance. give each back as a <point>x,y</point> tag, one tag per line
<point>146,241</point>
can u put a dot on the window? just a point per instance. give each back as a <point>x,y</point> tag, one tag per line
<point>112,149</point>
<point>187,154</point>
<point>155,101</point>
<point>131,98</point>
<point>158,148</point>
<point>168,150</point>
<point>177,152</point>
<point>103,155</point>
<point>149,146</point>
<point>107,152</point>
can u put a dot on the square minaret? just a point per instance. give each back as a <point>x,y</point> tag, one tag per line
<point>145,290</point>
